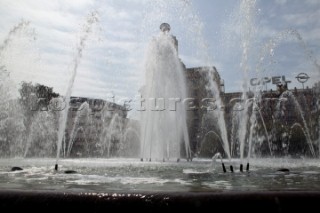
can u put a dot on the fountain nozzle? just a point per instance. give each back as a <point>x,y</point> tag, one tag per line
<point>218,155</point>
<point>56,167</point>
<point>224,168</point>
<point>231,168</point>
<point>247,167</point>
<point>241,168</point>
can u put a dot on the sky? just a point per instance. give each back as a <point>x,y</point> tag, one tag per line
<point>39,41</point>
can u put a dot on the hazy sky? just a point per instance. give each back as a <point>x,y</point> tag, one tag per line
<point>210,33</point>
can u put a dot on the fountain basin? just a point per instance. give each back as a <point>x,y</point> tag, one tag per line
<point>118,184</point>
<point>118,175</point>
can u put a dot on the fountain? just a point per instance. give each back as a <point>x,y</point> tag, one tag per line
<point>92,18</point>
<point>82,117</point>
<point>180,151</point>
<point>164,125</point>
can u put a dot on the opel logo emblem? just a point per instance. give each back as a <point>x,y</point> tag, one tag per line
<point>302,77</point>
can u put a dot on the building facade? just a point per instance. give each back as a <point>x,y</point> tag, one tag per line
<point>283,121</point>
<point>95,128</point>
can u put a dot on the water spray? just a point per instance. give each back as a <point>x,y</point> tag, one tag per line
<point>16,29</point>
<point>218,155</point>
<point>163,66</point>
<point>91,19</point>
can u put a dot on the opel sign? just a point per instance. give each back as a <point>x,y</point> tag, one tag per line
<point>302,77</point>
<point>275,80</point>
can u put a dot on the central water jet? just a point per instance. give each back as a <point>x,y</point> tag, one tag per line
<point>164,128</point>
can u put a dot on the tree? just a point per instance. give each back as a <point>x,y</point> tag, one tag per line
<point>40,123</point>
<point>36,97</point>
